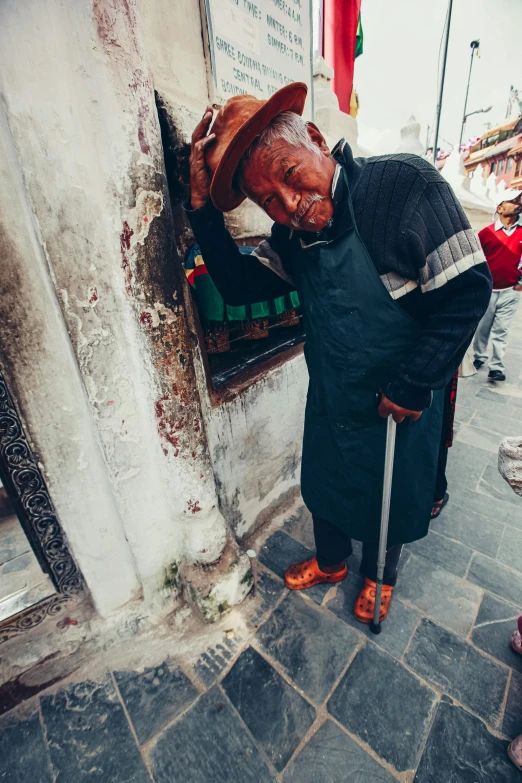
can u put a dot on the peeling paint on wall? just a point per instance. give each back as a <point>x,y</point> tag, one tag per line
<point>256,442</point>
<point>149,204</point>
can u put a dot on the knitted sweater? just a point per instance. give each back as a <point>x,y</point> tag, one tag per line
<point>420,241</point>
<point>503,253</point>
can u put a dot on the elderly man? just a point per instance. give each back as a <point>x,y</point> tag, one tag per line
<point>392,283</point>
<point>502,246</point>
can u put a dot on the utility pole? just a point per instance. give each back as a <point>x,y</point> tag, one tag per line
<point>441,86</point>
<point>474,46</point>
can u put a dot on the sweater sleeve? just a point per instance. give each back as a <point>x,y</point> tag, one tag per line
<point>240,279</point>
<point>455,284</point>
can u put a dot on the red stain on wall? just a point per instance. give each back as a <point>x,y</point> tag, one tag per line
<point>125,236</point>
<point>166,428</point>
<point>193,506</point>
<point>125,239</point>
<point>159,407</point>
<point>104,23</point>
<point>146,319</point>
<point>144,147</point>
<point>93,295</point>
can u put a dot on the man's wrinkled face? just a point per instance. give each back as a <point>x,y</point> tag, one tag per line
<point>292,184</point>
<point>510,208</point>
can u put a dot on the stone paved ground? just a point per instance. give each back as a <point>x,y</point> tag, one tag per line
<point>303,693</point>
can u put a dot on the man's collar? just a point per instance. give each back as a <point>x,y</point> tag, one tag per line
<point>342,152</point>
<point>342,220</point>
<point>499,224</point>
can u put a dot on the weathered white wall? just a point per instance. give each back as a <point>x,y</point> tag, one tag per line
<point>68,120</point>
<point>255,445</point>
<point>79,99</point>
<point>38,360</point>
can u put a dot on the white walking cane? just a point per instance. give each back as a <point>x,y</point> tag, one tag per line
<point>375,625</point>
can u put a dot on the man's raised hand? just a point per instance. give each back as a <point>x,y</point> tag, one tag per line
<point>199,174</point>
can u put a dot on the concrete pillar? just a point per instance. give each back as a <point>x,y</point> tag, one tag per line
<point>80,105</point>
<point>39,363</point>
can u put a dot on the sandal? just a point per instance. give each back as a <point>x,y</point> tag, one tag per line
<point>365,604</point>
<point>302,575</point>
<point>515,752</point>
<point>439,505</point>
<point>516,642</point>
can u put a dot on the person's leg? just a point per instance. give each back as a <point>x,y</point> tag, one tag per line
<point>332,548</point>
<point>441,482</point>
<point>368,567</point>
<point>480,344</point>
<point>506,308</point>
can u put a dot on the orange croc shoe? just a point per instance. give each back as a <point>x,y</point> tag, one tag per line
<point>365,604</point>
<point>302,575</point>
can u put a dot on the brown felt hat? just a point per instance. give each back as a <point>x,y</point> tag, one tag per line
<point>237,124</point>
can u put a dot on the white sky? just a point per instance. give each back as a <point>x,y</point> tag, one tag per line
<point>396,76</point>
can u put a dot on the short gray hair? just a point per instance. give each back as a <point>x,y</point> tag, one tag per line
<point>288,126</point>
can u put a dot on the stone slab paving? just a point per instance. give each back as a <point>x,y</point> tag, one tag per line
<point>290,635</point>
<point>89,736</point>
<point>512,723</point>
<point>302,692</point>
<point>331,755</point>
<point>210,743</point>
<point>154,697</point>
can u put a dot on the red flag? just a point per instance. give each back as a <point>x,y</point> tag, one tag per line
<point>341,18</point>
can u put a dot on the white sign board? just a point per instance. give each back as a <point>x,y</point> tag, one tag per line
<point>258,46</point>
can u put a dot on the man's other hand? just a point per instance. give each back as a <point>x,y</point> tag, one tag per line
<point>517,287</point>
<point>386,407</point>
<point>199,174</point>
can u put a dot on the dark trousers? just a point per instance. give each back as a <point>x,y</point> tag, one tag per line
<point>334,546</point>
<point>441,482</point>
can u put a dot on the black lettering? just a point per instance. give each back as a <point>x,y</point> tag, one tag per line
<point>226,48</point>
<point>280,28</point>
<point>279,45</point>
<point>287,10</point>
<point>231,89</point>
<point>248,62</point>
<point>252,9</point>
<point>246,78</point>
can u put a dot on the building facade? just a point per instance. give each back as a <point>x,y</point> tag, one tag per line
<point>499,152</point>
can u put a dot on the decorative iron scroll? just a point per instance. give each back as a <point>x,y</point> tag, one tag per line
<point>33,498</point>
<point>32,617</point>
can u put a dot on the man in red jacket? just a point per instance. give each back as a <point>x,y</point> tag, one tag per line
<point>502,246</point>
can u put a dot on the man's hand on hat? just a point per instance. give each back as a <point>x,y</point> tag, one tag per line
<point>199,174</point>
<point>387,407</point>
